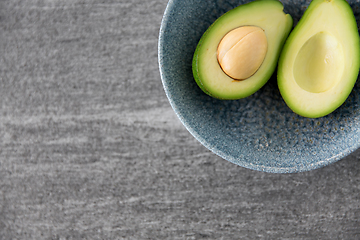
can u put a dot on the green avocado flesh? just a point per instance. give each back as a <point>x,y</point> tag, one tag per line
<point>265,14</point>
<point>319,63</point>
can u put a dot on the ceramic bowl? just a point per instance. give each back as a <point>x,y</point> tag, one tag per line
<point>258,132</point>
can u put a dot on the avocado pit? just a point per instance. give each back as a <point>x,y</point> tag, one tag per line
<point>241,51</point>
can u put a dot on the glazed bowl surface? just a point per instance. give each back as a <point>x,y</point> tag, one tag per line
<point>258,132</point>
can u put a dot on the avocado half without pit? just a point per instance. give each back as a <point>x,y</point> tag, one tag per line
<point>319,63</point>
<point>238,53</point>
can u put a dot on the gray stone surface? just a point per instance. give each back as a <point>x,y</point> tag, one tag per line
<point>91,149</point>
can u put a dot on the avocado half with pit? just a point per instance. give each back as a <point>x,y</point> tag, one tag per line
<point>319,64</point>
<point>238,53</point>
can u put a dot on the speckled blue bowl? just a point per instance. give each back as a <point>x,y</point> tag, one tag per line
<point>259,132</point>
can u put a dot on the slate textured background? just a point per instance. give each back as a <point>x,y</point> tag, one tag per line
<point>91,149</point>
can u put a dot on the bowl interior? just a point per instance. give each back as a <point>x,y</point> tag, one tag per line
<point>259,132</point>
